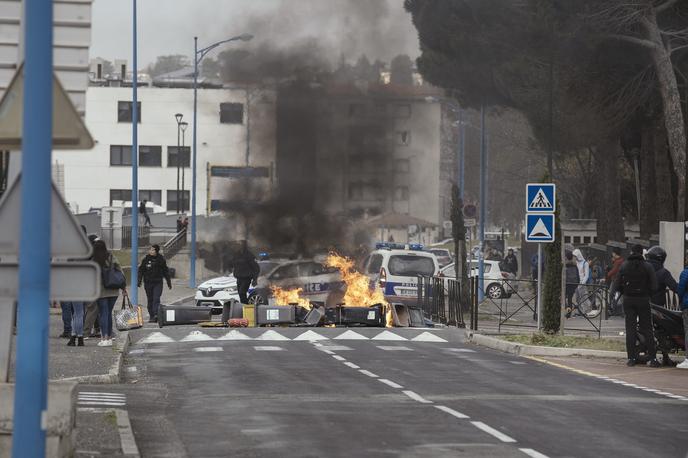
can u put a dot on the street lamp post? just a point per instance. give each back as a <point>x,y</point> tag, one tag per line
<point>178,117</point>
<point>199,54</point>
<point>183,126</point>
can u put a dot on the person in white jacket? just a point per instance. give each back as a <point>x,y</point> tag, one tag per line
<point>584,274</point>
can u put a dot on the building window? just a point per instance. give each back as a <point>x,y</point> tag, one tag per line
<point>124,111</point>
<point>402,110</point>
<point>150,156</point>
<point>402,165</point>
<point>231,113</point>
<point>576,239</point>
<point>151,195</point>
<point>120,154</point>
<point>401,193</point>
<point>567,239</point>
<point>123,195</point>
<point>403,137</point>
<point>586,239</point>
<point>172,201</point>
<point>184,160</point>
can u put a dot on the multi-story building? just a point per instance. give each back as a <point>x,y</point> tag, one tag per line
<point>236,142</point>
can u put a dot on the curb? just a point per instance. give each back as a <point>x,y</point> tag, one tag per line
<point>114,375</point>
<point>534,350</point>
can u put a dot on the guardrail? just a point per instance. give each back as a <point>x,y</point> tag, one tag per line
<point>144,236</point>
<point>175,244</point>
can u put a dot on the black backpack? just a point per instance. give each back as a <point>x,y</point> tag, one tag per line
<point>634,281</point>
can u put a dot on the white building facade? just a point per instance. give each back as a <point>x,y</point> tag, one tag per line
<point>236,141</point>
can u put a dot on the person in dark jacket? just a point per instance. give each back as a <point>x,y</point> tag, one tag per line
<point>246,271</point>
<point>572,281</point>
<point>656,257</point>
<point>617,260</point>
<point>152,271</point>
<point>637,281</point>
<point>510,262</point>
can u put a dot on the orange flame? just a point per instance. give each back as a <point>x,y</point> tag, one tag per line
<point>358,291</point>
<point>290,296</point>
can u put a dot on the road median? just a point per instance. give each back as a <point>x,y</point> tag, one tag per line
<point>521,349</point>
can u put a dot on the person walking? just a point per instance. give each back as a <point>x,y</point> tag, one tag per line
<point>108,296</point>
<point>152,271</point>
<point>510,262</point>
<point>682,292</point>
<point>246,270</point>
<point>656,257</point>
<point>583,276</point>
<point>572,281</point>
<point>636,282</point>
<point>143,211</point>
<point>77,325</point>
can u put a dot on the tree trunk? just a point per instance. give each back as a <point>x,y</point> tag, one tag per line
<point>663,175</point>
<point>671,104</point>
<point>649,223</point>
<point>610,224</point>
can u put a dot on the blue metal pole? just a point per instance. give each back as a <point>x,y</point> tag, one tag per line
<point>192,268</point>
<point>483,205</point>
<point>134,169</point>
<point>30,400</point>
<point>462,151</point>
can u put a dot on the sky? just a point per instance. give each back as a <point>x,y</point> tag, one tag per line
<point>379,28</point>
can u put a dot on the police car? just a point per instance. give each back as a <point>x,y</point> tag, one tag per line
<point>394,269</point>
<point>218,291</point>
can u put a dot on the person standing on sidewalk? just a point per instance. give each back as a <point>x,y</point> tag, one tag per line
<point>66,319</point>
<point>152,270</point>
<point>246,271</point>
<point>77,327</point>
<point>683,295</point>
<point>636,282</point>
<point>108,297</point>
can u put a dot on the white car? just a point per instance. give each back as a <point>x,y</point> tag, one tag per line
<point>217,291</point>
<point>497,284</point>
<point>444,256</point>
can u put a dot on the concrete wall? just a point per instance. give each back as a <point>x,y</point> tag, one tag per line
<point>672,238</point>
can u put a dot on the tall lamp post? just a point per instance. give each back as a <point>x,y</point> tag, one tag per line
<point>183,126</point>
<point>199,54</point>
<point>178,117</point>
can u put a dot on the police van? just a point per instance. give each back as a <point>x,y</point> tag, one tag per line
<point>394,269</point>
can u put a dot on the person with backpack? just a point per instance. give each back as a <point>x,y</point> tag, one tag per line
<point>682,292</point>
<point>152,271</point>
<point>636,282</point>
<point>113,280</point>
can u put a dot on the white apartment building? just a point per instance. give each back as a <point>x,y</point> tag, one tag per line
<point>236,143</point>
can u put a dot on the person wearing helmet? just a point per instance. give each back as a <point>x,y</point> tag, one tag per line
<point>656,257</point>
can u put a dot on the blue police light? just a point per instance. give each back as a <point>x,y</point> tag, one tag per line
<point>416,246</point>
<point>263,256</point>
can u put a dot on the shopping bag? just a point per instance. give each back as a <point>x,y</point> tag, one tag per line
<point>129,317</point>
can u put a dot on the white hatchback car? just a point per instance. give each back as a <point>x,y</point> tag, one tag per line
<point>497,281</point>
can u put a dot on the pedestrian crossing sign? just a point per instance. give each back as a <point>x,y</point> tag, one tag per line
<point>540,227</point>
<point>541,197</point>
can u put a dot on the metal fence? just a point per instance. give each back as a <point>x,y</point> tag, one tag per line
<point>144,236</point>
<point>440,300</point>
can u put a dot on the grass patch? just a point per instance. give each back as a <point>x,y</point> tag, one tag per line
<point>546,340</point>
<point>111,417</point>
<point>123,256</point>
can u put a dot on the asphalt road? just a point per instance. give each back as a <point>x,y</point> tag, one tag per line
<point>190,394</point>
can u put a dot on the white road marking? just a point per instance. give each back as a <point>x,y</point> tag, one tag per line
<point>352,365</point>
<point>334,348</point>
<point>268,348</point>
<point>103,403</point>
<point>351,335</point>
<point>518,363</point>
<point>99,393</point>
<point>393,348</point>
<point>131,369</point>
<point>234,335</point>
<point>368,373</point>
<point>328,352</point>
<point>271,335</point>
<point>156,337</point>
<point>311,336</point>
<point>386,335</point>
<point>493,432</point>
<point>339,358</point>
<point>459,350</point>
<point>196,336</point>
<point>104,399</point>
<point>206,349</point>
<point>389,383</point>
<point>126,434</point>
<point>136,352</point>
<point>533,453</point>
<point>427,337</point>
<point>416,397</point>
<point>451,412</point>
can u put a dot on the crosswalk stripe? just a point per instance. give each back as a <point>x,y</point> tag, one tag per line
<point>311,336</point>
<point>351,335</point>
<point>197,336</point>
<point>427,337</point>
<point>103,403</point>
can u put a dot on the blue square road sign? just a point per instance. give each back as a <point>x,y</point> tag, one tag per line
<point>540,227</point>
<point>541,197</point>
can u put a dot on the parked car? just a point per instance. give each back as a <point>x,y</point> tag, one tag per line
<point>444,256</point>
<point>497,282</point>
<point>319,283</point>
<point>217,291</point>
<point>394,269</point>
